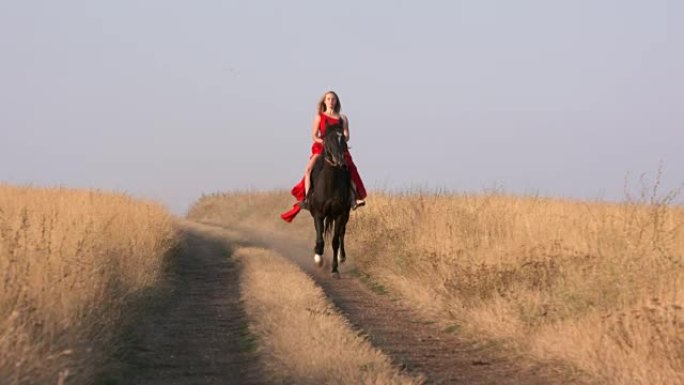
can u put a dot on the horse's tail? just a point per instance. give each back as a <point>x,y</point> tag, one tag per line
<point>327,228</point>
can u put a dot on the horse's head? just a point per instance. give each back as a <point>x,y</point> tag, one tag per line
<point>335,146</point>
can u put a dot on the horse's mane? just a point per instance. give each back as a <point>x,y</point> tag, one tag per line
<point>333,141</point>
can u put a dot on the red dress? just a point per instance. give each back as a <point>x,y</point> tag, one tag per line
<point>317,148</point>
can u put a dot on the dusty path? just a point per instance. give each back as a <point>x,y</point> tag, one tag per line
<point>419,346</point>
<point>198,336</point>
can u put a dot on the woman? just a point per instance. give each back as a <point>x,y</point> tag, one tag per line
<point>328,113</point>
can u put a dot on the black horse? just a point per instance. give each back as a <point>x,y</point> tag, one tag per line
<point>330,195</point>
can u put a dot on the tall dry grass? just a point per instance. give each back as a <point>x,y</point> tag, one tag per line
<point>598,285</point>
<point>256,209</point>
<point>69,262</point>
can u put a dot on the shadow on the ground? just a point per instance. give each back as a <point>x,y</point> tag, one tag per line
<point>190,328</point>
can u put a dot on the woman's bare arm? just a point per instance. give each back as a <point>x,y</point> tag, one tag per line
<point>345,125</point>
<point>316,129</point>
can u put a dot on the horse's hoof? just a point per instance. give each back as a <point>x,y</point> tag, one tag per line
<point>336,274</point>
<point>318,260</point>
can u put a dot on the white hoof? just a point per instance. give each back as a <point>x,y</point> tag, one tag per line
<point>318,260</point>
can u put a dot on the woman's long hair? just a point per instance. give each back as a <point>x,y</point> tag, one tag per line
<point>321,103</point>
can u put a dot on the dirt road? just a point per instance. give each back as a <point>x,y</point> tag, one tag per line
<point>200,337</point>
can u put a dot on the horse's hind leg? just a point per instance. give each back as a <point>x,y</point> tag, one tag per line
<point>318,249</point>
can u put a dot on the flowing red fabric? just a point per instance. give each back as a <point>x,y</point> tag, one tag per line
<point>298,193</point>
<point>298,190</point>
<point>360,188</point>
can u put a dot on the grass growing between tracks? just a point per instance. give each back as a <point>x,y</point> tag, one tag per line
<point>299,335</point>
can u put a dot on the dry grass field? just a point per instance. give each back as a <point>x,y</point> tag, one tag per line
<point>597,285</point>
<point>69,262</point>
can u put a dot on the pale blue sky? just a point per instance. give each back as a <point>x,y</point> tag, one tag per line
<point>169,99</point>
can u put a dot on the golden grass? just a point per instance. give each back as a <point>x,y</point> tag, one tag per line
<point>257,209</point>
<point>300,337</point>
<point>596,284</point>
<point>70,259</point>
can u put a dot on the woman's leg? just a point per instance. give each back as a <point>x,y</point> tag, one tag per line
<point>307,174</point>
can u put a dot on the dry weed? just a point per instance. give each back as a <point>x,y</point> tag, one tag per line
<point>70,259</point>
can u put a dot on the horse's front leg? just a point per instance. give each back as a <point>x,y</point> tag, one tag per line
<point>336,247</point>
<point>338,243</point>
<point>342,255</point>
<point>318,249</point>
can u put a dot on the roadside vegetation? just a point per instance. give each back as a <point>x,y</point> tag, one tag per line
<point>70,261</point>
<point>597,285</point>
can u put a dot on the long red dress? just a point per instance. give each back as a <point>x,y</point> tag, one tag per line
<point>317,148</point>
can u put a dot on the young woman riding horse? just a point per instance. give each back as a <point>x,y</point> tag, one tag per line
<point>329,107</point>
<point>331,186</point>
<point>328,114</point>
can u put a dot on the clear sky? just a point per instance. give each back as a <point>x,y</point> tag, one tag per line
<point>169,99</point>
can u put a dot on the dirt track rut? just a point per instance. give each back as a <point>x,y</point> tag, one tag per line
<point>198,336</point>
